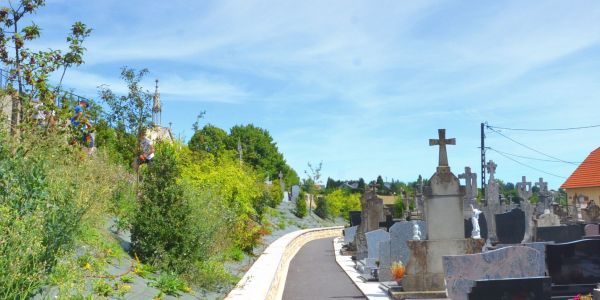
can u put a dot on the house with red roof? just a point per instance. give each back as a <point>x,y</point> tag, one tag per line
<point>584,183</point>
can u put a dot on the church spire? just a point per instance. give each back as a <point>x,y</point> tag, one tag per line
<point>156,109</point>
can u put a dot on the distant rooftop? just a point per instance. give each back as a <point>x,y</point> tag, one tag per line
<point>587,174</point>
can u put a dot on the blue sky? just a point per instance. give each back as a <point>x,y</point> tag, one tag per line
<point>359,85</point>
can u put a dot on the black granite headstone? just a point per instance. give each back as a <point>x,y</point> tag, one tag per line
<point>510,226</point>
<point>560,234</point>
<point>389,221</point>
<point>482,227</point>
<point>512,288</point>
<point>355,218</point>
<point>574,267</point>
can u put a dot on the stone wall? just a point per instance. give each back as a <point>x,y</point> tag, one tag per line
<point>266,278</point>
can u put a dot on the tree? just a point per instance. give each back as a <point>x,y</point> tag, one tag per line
<point>260,151</point>
<point>210,139</point>
<point>399,207</point>
<point>361,184</point>
<point>310,184</point>
<point>128,114</point>
<point>380,184</point>
<point>31,69</point>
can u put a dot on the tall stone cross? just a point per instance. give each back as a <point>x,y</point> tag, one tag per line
<point>543,191</point>
<point>442,142</point>
<point>491,169</point>
<point>524,189</point>
<point>470,183</point>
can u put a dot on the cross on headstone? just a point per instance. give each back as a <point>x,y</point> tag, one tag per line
<point>542,185</point>
<point>420,181</point>
<point>524,189</point>
<point>543,191</point>
<point>491,168</point>
<point>470,182</point>
<point>442,142</point>
<point>374,187</point>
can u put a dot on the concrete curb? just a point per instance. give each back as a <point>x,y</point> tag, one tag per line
<point>266,278</point>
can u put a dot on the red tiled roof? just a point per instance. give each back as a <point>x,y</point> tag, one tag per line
<point>587,174</point>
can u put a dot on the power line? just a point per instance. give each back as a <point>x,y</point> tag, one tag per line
<point>532,149</point>
<point>528,166</point>
<point>546,129</point>
<point>532,158</point>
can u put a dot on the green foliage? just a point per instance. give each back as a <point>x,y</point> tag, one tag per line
<point>170,284</point>
<point>260,151</point>
<point>22,253</point>
<point>301,207</point>
<point>102,288</point>
<point>341,202</point>
<point>212,275</point>
<point>31,70</point>
<point>399,207</point>
<point>322,209</point>
<point>160,233</point>
<point>211,139</point>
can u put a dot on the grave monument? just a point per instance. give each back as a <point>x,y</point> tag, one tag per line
<point>445,227</point>
<point>525,192</point>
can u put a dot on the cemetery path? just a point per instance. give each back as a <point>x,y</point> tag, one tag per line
<point>314,274</point>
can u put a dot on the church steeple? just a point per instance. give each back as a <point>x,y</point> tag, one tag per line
<point>156,110</point>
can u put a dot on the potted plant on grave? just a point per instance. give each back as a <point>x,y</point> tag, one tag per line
<point>397,271</point>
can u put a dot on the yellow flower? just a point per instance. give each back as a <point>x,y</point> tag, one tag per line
<point>87,266</point>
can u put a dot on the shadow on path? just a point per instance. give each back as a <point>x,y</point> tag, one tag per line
<point>314,274</point>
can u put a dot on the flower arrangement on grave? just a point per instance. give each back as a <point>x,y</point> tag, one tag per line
<point>583,297</point>
<point>397,270</point>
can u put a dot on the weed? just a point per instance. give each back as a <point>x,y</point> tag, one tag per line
<point>170,284</point>
<point>127,278</point>
<point>102,288</point>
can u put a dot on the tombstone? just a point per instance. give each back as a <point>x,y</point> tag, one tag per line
<point>295,193</point>
<point>539,246</point>
<point>543,193</point>
<point>385,261</point>
<point>574,267</point>
<point>371,261</point>
<point>445,227</point>
<point>483,227</point>
<point>349,233</point>
<point>420,199</point>
<point>591,229</point>
<point>560,234</point>
<point>591,214</point>
<point>371,215</point>
<point>492,204</point>
<point>286,197</point>
<point>355,219</point>
<point>471,191</point>
<point>525,192</point>
<point>548,219</point>
<point>389,222</point>
<point>461,271</point>
<point>510,226</point>
<point>512,288</point>
<point>373,239</point>
<point>399,234</point>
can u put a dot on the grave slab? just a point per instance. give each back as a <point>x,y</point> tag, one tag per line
<point>461,271</point>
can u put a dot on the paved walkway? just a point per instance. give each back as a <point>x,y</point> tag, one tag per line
<point>314,274</point>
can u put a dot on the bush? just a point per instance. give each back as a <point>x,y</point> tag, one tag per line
<point>340,202</point>
<point>322,209</point>
<point>301,208</point>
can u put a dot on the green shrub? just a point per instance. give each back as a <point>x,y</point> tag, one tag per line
<point>301,208</point>
<point>212,275</point>
<point>322,209</point>
<point>21,253</point>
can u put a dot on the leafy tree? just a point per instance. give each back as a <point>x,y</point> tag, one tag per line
<point>310,184</point>
<point>380,184</point>
<point>210,139</point>
<point>127,115</point>
<point>31,69</point>
<point>361,184</point>
<point>399,207</point>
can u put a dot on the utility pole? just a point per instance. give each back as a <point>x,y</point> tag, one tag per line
<point>483,159</point>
